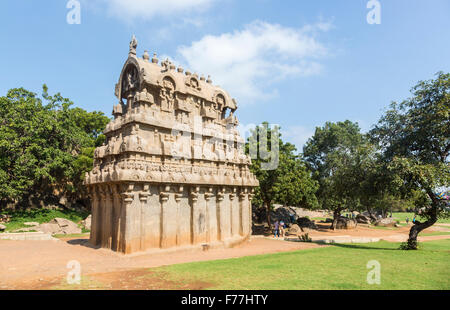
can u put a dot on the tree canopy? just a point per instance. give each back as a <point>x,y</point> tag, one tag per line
<point>45,145</point>
<point>337,153</point>
<point>290,182</point>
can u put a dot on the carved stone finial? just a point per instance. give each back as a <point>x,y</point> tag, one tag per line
<point>180,69</point>
<point>165,64</point>
<point>133,45</point>
<point>202,78</point>
<point>146,56</point>
<point>154,59</point>
<point>209,79</point>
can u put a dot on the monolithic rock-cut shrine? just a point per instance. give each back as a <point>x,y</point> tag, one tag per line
<point>172,171</point>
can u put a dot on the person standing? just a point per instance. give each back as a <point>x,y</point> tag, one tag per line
<point>281,228</point>
<point>276,231</point>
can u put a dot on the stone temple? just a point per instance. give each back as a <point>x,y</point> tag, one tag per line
<point>172,172</point>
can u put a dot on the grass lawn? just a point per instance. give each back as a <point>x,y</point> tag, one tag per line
<point>84,234</point>
<point>333,267</point>
<point>436,233</point>
<point>401,216</point>
<point>18,218</point>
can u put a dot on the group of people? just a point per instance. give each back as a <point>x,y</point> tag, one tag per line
<point>279,229</point>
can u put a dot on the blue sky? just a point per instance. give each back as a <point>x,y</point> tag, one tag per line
<point>293,63</point>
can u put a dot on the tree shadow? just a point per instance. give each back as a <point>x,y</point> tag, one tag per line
<point>361,247</point>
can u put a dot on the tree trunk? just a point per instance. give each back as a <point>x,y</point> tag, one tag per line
<point>417,228</point>
<point>372,217</point>
<point>336,216</point>
<point>268,214</point>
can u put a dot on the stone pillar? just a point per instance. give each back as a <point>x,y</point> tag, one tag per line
<point>168,219</point>
<point>243,204</point>
<point>127,222</point>
<point>235,214</point>
<point>225,214</point>
<point>199,217</point>
<point>117,210</point>
<point>101,233</point>
<point>211,218</point>
<point>143,208</point>
<point>193,195</point>
<point>183,217</point>
<point>250,198</point>
<point>151,218</point>
<point>95,211</point>
<point>107,219</point>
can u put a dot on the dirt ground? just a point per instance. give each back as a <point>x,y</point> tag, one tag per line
<point>43,264</point>
<point>37,264</point>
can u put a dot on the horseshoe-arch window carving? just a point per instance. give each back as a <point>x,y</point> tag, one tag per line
<point>221,105</point>
<point>130,80</point>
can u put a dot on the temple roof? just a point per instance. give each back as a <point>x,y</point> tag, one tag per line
<point>153,73</point>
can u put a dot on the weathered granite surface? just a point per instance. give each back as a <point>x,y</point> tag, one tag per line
<point>172,171</point>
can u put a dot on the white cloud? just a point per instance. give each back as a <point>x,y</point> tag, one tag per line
<point>147,9</point>
<point>247,61</point>
<point>297,135</point>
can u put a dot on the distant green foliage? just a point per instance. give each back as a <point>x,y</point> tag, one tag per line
<point>18,218</point>
<point>45,145</point>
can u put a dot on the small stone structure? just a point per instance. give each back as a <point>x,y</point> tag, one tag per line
<point>172,171</point>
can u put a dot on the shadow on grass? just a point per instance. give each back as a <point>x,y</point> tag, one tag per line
<point>363,247</point>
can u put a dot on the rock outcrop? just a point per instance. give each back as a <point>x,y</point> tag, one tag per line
<point>387,222</point>
<point>346,223</point>
<point>362,219</point>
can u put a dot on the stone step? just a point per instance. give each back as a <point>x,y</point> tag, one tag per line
<point>27,236</point>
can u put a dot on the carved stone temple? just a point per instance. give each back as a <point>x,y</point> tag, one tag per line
<point>172,171</point>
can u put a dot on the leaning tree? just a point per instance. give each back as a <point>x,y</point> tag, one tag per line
<point>414,137</point>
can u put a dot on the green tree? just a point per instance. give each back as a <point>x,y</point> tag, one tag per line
<point>45,145</point>
<point>337,154</point>
<point>414,136</point>
<point>290,183</point>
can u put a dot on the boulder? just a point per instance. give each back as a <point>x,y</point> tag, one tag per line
<point>5,218</point>
<point>87,222</point>
<point>362,219</point>
<point>50,228</point>
<point>285,214</point>
<point>294,230</point>
<point>66,226</point>
<point>2,227</point>
<point>346,223</point>
<point>60,226</point>
<point>305,222</point>
<point>387,222</point>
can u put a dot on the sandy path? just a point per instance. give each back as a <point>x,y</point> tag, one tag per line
<point>25,262</point>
